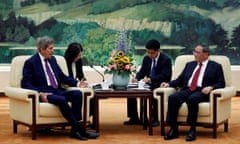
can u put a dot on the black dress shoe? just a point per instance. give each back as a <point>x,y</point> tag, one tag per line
<point>77,135</point>
<point>191,136</point>
<point>91,135</point>
<point>132,121</point>
<point>173,133</point>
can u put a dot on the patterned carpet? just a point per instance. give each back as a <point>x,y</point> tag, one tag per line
<point>112,130</point>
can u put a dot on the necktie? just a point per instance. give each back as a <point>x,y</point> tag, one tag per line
<point>193,85</point>
<point>50,75</point>
<point>153,71</point>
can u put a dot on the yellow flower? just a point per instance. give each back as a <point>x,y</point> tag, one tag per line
<point>125,59</point>
<point>120,63</point>
<point>120,54</point>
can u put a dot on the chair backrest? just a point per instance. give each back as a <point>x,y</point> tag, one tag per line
<point>181,61</point>
<point>17,68</point>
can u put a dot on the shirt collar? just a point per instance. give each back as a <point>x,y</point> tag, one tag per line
<point>41,57</point>
<point>156,59</point>
<point>205,62</point>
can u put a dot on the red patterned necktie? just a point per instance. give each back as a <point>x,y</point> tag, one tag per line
<point>50,75</point>
<point>193,85</point>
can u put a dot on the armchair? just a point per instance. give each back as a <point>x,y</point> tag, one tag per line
<point>211,114</point>
<point>24,104</point>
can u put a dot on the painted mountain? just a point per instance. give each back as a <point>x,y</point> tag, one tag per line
<point>178,25</point>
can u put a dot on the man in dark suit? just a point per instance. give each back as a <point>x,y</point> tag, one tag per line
<point>42,73</point>
<point>162,72</point>
<point>195,89</point>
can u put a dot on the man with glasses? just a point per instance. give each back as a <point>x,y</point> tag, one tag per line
<point>196,81</point>
<point>156,68</point>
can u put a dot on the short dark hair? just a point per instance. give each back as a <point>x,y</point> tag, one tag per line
<point>153,44</point>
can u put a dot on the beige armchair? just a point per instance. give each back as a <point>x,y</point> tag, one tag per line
<point>211,114</point>
<point>24,104</point>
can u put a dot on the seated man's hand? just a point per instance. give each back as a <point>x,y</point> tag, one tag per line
<point>83,84</point>
<point>43,96</point>
<point>164,85</point>
<point>146,80</point>
<point>207,90</point>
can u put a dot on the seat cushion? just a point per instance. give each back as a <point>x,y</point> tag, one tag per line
<point>49,110</point>
<point>204,109</point>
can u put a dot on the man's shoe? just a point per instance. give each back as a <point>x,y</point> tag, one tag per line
<point>191,136</point>
<point>155,123</point>
<point>173,133</point>
<point>91,135</point>
<point>132,121</point>
<point>77,135</point>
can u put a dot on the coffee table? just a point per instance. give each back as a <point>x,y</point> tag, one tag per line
<point>143,94</point>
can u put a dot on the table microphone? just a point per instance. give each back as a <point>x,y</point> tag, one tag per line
<point>98,72</point>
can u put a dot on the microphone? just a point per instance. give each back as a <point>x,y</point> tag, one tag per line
<point>98,72</point>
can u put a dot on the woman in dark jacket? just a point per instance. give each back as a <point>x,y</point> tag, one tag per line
<point>74,61</point>
<point>74,64</point>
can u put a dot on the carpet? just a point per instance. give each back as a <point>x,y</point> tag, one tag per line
<point>112,130</point>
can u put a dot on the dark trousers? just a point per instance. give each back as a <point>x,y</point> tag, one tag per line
<point>192,100</point>
<point>71,113</point>
<point>132,108</point>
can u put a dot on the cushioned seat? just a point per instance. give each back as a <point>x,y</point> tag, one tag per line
<point>25,107</point>
<point>211,114</point>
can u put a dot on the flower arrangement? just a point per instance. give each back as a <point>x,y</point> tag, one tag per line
<point>121,61</point>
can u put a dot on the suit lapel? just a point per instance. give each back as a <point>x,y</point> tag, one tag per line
<point>39,67</point>
<point>207,71</point>
<point>53,66</point>
<point>39,64</point>
<point>191,69</point>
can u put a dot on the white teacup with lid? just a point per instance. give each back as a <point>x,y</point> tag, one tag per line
<point>105,86</point>
<point>141,84</point>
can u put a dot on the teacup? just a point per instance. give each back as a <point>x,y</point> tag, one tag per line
<point>105,86</point>
<point>141,84</point>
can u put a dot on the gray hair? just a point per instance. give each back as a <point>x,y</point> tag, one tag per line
<point>44,42</point>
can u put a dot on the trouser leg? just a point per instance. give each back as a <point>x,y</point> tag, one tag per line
<point>132,108</point>
<point>75,97</point>
<point>65,109</point>
<point>155,109</point>
<point>174,103</point>
<point>193,106</point>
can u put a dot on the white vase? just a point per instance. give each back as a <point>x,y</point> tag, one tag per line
<point>120,81</point>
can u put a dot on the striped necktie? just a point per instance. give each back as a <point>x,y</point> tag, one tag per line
<point>50,75</point>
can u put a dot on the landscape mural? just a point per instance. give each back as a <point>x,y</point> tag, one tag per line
<point>178,24</point>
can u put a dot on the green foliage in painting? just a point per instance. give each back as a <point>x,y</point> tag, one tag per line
<point>178,24</point>
<point>98,45</point>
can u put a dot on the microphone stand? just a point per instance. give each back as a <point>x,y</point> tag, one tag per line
<point>98,72</point>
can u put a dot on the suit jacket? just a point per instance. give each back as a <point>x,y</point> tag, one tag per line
<point>163,70</point>
<point>213,75</point>
<point>34,77</point>
<point>79,69</point>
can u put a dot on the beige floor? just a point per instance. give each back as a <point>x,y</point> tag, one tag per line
<point>112,115</point>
